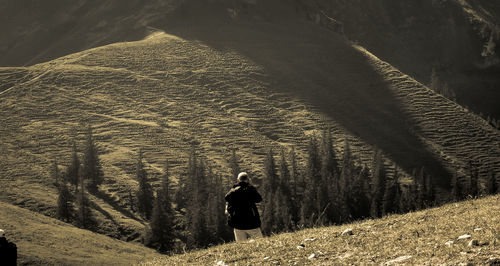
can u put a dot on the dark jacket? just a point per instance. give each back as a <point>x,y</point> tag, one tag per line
<point>8,252</point>
<point>243,213</point>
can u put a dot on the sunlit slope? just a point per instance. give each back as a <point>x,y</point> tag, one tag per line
<point>414,239</point>
<point>45,241</point>
<point>244,86</point>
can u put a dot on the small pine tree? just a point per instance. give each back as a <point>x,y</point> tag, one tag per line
<point>161,234</point>
<point>404,204</point>
<point>271,184</point>
<point>492,186</point>
<point>283,216</point>
<point>311,183</point>
<point>473,180</point>
<point>430,193</point>
<point>347,174</point>
<point>65,210</point>
<point>73,171</point>
<point>222,231</point>
<point>295,175</point>
<point>421,189</point>
<point>360,193</point>
<point>145,193</point>
<point>56,174</point>
<point>92,169</point>
<point>85,217</point>
<point>288,206</point>
<point>297,186</point>
<point>456,188</point>
<point>234,165</point>
<point>378,185</point>
<point>391,196</point>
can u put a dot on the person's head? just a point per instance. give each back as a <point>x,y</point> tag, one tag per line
<point>2,233</point>
<point>243,177</point>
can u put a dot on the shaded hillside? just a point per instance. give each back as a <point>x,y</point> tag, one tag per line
<point>459,39</point>
<point>414,238</point>
<point>45,241</point>
<point>244,85</point>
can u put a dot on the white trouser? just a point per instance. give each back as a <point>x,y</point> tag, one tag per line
<point>242,235</point>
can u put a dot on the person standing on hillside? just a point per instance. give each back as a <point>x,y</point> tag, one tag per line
<point>8,251</point>
<point>242,212</point>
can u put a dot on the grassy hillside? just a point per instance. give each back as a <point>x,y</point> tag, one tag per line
<point>414,238</point>
<point>220,85</point>
<point>35,32</point>
<point>459,37</point>
<point>45,241</point>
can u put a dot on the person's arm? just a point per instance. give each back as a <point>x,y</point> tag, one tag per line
<point>229,195</point>
<point>256,197</point>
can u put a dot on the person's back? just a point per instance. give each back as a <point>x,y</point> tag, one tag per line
<point>243,214</point>
<point>8,251</point>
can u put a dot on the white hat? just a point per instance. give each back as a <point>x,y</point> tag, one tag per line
<point>2,233</point>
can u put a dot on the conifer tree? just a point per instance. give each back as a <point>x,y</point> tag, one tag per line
<point>456,187</point>
<point>421,189</point>
<point>311,203</point>
<point>270,185</point>
<point>283,218</point>
<point>161,235</point>
<point>285,180</point>
<point>378,185</point>
<point>197,219</point>
<point>287,206</point>
<point>295,176</point>
<point>492,185</point>
<point>145,193</point>
<point>314,180</point>
<point>222,231</point>
<point>391,196</point>
<point>65,209</point>
<point>473,180</point>
<point>73,171</point>
<point>329,190</point>
<point>234,165</point>
<point>430,193</point>
<point>345,185</point>
<point>201,234</point>
<point>85,217</point>
<point>92,169</point>
<point>56,174</point>
<point>360,193</point>
<point>330,165</point>
<point>404,204</point>
<point>296,187</point>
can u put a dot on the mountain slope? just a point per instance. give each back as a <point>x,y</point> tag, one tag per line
<point>414,238</point>
<point>458,38</point>
<point>45,241</point>
<point>244,85</point>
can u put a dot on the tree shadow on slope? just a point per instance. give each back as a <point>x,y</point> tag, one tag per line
<point>322,68</point>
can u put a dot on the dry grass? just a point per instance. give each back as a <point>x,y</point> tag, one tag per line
<point>42,240</point>
<point>414,238</point>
